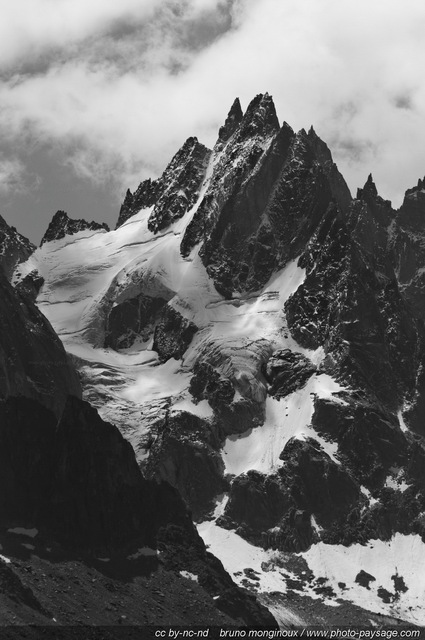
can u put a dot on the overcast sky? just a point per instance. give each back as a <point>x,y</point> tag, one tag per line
<point>96,95</point>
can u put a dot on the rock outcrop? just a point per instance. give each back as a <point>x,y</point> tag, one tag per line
<point>33,362</point>
<point>173,334</point>
<point>351,304</point>
<point>276,510</point>
<point>407,242</point>
<point>144,197</point>
<point>77,479</point>
<point>174,193</point>
<point>134,318</point>
<point>208,384</point>
<point>287,371</point>
<point>14,248</point>
<point>61,225</point>
<point>185,453</point>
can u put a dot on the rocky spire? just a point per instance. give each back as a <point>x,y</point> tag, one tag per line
<point>412,212</point>
<point>232,122</point>
<point>145,196</point>
<point>413,192</point>
<point>260,117</point>
<point>369,190</point>
<point>178,187</point>
<point>377,211</point>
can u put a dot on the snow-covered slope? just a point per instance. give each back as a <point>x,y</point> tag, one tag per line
<point>381,577</point>
<point>88,273</point>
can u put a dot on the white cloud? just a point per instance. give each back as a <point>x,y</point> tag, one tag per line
<point>30,26</point>
<point>119,86</point>
<point>14,177</point>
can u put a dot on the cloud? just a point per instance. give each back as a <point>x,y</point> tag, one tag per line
<point>119,86</point>
<point>15,178</point>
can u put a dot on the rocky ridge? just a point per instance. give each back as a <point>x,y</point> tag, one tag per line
<point>174,193</point>
<point>61,225</point>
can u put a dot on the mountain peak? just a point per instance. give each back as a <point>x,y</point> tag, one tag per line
<point>234,118</point>
<point>62,225</point>
<point>414,191</point>
<point>369,190</point>
<point>260,117</point>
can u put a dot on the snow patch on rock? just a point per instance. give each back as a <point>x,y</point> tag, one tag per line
<point>289,417</point>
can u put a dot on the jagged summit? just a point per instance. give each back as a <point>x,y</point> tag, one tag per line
<point>61,225</point>
<point>144,196</point>
<point>261,178</point>
<point>369,189</point>
<point>266,180</point>
<point>174,193</point>
<point>234,118</point>
<point>411,214</point>
<point>260,117</point>
<point>419,187</point>
<point>179,185</point>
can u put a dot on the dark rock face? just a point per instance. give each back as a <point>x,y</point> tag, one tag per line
<point>174,193</point>
<point>61,226</point>
<point>145,196</point>
<point>14,248</point>
<point>208,384</point>
<point>234,118</point>
<point>77,479</point>
<point>351,304</point>
<point>173,334</point>
<point>276,510</point>
<point>33,362</point>
<point>98,492</point>
<point>319,485</point>
<point>131,319</point>
<point>186,454</point>
<point>180,184</point>
<point>287,371</point>
<point>394,511</point>
<point>30,285</point>
<point>407,243</point>
<point>370,440</point>
<point>257,502</point>
<point>26,430</point>
<point>234,417</point>
<point>233,167</point>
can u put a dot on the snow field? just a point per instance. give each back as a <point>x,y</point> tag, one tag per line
<point>401,557</point>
